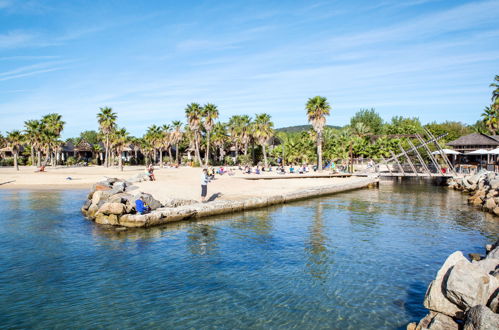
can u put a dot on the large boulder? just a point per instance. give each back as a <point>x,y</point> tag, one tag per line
<point>112,208</point>
<point>119,186</point>
<point>435,299</point>
<point>435,321</point>
<point>494,183</point>
<point>490,204</point>
<point>103,219</point>
<point>467,286</point>
<point>150,201</point>
<point>481,318</point>
<point>494,254</point>
<point>487,265</point>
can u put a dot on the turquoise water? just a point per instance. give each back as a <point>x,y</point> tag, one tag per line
<point>358,260</point>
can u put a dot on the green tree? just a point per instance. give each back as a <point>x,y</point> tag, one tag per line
<point>317,109</point>
<point>32,133</point>
<point>263,132</point>
<point>177,135</point>
<point>193,113</point>
<point>107,124</point>
<point>210,114</point>
<point>495,93</point>
<point>14,140</point>
<point>490,119</point>
<point>220,138</point>
<point>91,137</point>
<point>154,139</point>
<point>369,118</point>
<point>120,138</point>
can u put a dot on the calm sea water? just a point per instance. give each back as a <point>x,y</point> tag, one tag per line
<point>358,260</point>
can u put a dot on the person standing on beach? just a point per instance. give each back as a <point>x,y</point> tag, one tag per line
<point>204,184</point>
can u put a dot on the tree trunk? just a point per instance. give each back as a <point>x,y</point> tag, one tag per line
<point>198,154</point>
<point>38,158</point>
<point>120,161</point>
<point>207,155</point>
<point>160,157</point>
<point>246,149</point>
<point>16,165</point>
<point>106,159</point>
<point>176,154</point>
<point>170,154</point>
<point>53,159</point>
<point>32,156</point>
<point>319,152</point>
<point>264,155</point>
<point>237,152</point>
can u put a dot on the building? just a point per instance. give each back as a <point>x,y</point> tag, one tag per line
<point>475,141</point>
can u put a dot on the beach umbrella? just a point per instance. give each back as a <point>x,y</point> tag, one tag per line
<point>478,152</point>
<point>494,152</point>
<point>447,152</point>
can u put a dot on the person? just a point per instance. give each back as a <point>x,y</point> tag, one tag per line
<point>257,171</point>
<point>141,207</point>
<point>150,173</point>
<point>292,169</point>
<point>204,184</point>
<point>41,169</point>
<point>333,166</point>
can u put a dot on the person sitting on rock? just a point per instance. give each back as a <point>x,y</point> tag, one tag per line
<point>141,207</point>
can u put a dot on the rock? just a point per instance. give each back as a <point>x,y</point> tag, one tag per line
<point>111,219</point>
<point>119,186</point>
<point>122,198</point>
<point>92,210</point>
<point>443,322</point>
<point>475,256</point>
<point>494,254</point>
<point>435,299</point>
<point>467,286</point>
<point>486,266</point>
<point>101,187</point>
<point>87,205</point>
<point>496,210</point>
<point>494,183</point>
<point>97,197</point>
<point>481,318</point>
<point>150,201</point>
<point>112,208</point>
<point>490,204</point>
<point>412,326</point>
<point>493,303</point>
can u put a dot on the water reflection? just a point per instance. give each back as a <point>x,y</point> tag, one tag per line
<point>202,239</point>
<point>318,263</point>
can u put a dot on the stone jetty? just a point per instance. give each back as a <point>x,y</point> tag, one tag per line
<point>112,202</point>
<point>483,188</point>
<point>464,294</point>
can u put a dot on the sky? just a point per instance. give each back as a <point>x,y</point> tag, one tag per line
<point>149,59</point>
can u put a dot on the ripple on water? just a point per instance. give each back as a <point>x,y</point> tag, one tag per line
<point>361,259</point>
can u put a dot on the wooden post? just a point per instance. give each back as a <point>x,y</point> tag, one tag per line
<point>439,169</point>
<point>420,158</point>
<point>398,163</point>
<point>409,160</point>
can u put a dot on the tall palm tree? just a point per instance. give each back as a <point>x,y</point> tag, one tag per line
<point>167,140</point>
<point>263,132</point>
<point>14,140</point>
<point>53,126</point>
<point>219,138</point>
<point>107,124</point>
<point>317,109</point>
<point>193,113</point>
<point>246,131</point>
<point>32,134</point>
<point>491,119</point>
<point>177,135</point>
<point>234,128</point>
<point>210,114</point>
<point>120,139</point>
<point>154,137</point>
<point>495,94</point>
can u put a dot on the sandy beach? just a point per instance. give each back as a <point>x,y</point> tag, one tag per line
<point>170,183</point>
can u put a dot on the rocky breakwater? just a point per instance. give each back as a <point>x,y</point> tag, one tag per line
<point>464,294</point>
<point>483,188</point>
<point>112,202</point>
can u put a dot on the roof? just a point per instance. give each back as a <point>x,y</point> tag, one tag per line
<point>474,139</point>
<point>68,147</point>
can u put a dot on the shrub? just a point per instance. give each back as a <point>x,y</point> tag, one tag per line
<point>70,161</point>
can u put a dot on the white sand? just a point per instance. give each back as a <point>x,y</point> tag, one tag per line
<point>182,183</point>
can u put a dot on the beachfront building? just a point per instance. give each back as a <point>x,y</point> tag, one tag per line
<point>476,152</point>
<point>474,141</point>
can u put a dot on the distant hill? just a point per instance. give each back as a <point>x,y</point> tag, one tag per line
<point>300,128</point>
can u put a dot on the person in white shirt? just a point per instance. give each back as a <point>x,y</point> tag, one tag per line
<point>204,184</point>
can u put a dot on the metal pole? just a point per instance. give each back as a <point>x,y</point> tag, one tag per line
<point>409,160</point>
<point>386,163</point>
<point>434,161</point>
<point>398,163</point>
<point>444,156</point>
<point>420,158</point>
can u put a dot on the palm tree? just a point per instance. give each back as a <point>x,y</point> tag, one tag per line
<point>491,120</point>
<point>177,135</point>
<point>14,140</point>
<point>167,140</point>
<point>234,128</point>
<point>120,139</point>
<point>495,94</point>
<point>107,123</point>
<point>154,137</point>
<point>32,134</point>
<point>53,125</point>
<point>210,114</point>
<point>193,112</point>
<point>317,109</point>
<point>219,138</point>
<point>246,131</point>
<point>263,132</point>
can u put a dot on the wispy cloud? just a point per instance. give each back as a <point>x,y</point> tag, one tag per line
<point>14,39</point>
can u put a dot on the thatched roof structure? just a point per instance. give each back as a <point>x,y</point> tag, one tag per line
<point>474,141</point>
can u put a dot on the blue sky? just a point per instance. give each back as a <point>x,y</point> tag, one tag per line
<point>148,59</point>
